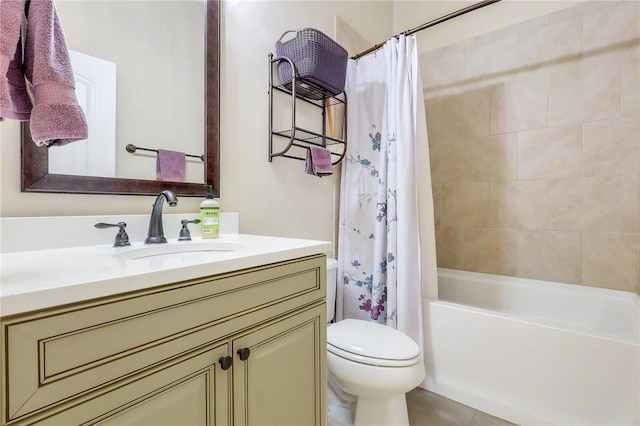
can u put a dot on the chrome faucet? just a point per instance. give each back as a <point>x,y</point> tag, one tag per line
<point>156,231</point>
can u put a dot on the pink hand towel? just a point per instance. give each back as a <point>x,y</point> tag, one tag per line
<point>318,161</point>
<point>170,165</point>
<point>14,100</point>
<point>56,117</point>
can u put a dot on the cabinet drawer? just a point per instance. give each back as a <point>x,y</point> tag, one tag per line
<point>63,353</point>
<point>190,390</point>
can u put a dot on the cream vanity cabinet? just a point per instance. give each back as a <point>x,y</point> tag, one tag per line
<point>242,348</point>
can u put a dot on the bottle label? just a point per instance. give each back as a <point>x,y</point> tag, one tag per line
<point>210,220</point>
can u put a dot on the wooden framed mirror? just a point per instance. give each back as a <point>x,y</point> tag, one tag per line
<point>35,160</point>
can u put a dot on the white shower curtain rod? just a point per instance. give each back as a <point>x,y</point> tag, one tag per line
<point>431,24</point>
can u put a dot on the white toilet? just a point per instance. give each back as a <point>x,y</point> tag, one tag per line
<point>375,363</point>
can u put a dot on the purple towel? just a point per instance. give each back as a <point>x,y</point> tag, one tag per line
<point>170,165</point>
<point>56,117</point>
<point>318,161</point>
<point>14,100</point>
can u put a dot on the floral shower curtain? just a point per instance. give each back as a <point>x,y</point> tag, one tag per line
<point>379,237</point>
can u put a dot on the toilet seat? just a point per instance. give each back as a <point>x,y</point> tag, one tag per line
<point>371,343</point>
<point>378,362</point>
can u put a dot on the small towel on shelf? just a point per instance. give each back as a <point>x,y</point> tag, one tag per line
<point>170,165</point>
<point>318,161</point>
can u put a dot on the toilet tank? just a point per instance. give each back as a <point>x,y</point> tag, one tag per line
<point>332,283</point>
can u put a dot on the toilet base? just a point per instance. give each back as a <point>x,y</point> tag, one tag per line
<point>389,411</point>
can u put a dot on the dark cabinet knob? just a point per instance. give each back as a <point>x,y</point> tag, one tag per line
<point>244,353</point>
<point>225,362</point>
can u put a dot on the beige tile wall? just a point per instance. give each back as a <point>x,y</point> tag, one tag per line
<point>534,136</point>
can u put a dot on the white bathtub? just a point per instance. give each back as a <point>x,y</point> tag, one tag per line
<point>535,352</point>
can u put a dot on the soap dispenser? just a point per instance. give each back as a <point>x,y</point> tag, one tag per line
<point>209,216</point>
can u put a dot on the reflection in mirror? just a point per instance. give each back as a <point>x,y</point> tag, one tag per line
<point>160,83</point>
<point>96,92</point>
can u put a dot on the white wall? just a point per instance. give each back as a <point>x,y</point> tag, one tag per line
<point>272,198</point>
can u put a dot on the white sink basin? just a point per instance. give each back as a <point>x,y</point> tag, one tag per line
<point>188,250</point>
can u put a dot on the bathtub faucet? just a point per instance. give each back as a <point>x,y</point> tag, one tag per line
<point>156,231</point>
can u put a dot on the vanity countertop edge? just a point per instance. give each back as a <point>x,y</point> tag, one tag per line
<point>41,279</point>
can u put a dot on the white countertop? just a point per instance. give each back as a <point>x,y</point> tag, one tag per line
<point>34,280</point>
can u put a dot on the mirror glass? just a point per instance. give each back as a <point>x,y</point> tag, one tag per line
<point>147,77</point>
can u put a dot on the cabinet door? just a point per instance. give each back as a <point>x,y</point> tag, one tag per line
<point>283,380</point>
<point>194,391</point>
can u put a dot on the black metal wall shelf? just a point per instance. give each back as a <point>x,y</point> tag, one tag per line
<point>300,139</point>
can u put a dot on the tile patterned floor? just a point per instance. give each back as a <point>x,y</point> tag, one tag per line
<point>429,409</point>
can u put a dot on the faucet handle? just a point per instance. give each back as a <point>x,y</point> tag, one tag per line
<point>185,235</point>
<point>122,239</point>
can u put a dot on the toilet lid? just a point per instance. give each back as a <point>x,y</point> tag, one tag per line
<point>371,343</point>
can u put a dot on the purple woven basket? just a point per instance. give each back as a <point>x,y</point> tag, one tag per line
<point>316,57</point>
